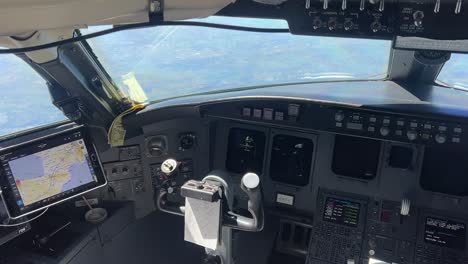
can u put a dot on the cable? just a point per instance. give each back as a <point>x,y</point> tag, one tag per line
<point>25,222</point>
<point>142,25</point>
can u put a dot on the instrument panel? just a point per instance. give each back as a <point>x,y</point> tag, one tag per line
<point>361,194</point>
<point>377,195</point>
<point>378,19</point>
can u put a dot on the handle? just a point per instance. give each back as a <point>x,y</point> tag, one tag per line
<point>250,184</point>
<point>162,204</point>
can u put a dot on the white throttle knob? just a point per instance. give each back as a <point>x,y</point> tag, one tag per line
<point>169,166</point>
<point>250,180</point>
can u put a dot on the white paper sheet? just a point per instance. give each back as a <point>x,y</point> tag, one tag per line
<point>202,222</point>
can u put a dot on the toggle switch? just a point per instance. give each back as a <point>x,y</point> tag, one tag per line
<point>362,6</point>
<point>382,5</point>
<point>458,7</point>
<point>437,7</point>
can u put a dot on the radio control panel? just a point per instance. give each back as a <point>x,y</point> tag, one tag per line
<point>399,128</point>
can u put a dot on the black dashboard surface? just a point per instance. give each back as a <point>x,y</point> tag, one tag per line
<point>379,95</point>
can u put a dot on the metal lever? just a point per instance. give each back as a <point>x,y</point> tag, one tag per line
<point>437,7</point>
<point>250,184</point>
<point>307,5</point>
<point>458,7</point>
<point>163,205</point>
<point>362,6</point>
<point>343,5</point>
<point>382,5</point>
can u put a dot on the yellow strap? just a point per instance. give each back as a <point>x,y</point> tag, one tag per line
<point>116,134</point>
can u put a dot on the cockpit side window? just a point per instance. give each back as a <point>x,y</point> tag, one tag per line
<point>455,72</point>
<point>24,97</point>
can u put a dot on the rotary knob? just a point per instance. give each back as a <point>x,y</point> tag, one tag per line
<point>440,138</point>
<point>412,135</point>
<point>317,23</point>
<point>348,24</point>
<point>332,25</point>
<point>339,116</point>
<point>376,26</point>
<point>418,17</point>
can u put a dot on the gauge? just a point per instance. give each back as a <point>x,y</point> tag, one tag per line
<point>157,146</point>
<point>187,141</point>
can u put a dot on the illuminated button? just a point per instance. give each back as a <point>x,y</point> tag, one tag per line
<point>427,126</point>
<point>457,130</point>
<point>373,119</point>
<point>268,113</point>
<point>412,135</point>
<point>339,124</point>
<point>400,123</point>
<point>356,117</point>
<point>386,121</point>
<point>399,132</point>
<point>456,140</point>
<point>246,111</point>
<point>293,110</point>
<point>413,124</point>
<point>371,129</point>
<point>257,113</point>
<point>354,126</point>
<point>279,116</point>
<point>426,136</point>
<point>442,128</point>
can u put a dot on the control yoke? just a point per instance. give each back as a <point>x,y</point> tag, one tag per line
<point>250,185</point>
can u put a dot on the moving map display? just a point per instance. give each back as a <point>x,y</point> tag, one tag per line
<point>44,172</point>
<point>51,172</point>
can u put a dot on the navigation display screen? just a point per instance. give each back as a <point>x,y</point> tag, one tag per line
<point>446,233</point>
<point>49,170</point>
<point>52,171</point>
<point>341,212</point>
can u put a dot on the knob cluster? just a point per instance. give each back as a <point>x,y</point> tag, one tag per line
<point>397,127</point>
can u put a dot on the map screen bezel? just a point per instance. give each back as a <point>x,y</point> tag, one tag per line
<point>10,191</point>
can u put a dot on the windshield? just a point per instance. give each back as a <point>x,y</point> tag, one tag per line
<point>455,72</point>
<point>173,61</point>
<point>24,97</point>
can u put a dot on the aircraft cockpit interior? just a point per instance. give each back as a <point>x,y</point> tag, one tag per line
<point>234,131</point>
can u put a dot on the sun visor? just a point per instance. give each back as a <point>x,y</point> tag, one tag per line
<point>184,9</point>
<point>22,16</point>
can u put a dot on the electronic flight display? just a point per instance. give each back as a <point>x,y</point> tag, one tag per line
<point>246,150</point>
<point>41,173</point>
<point>446,233</point>
<point>341,212</point>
